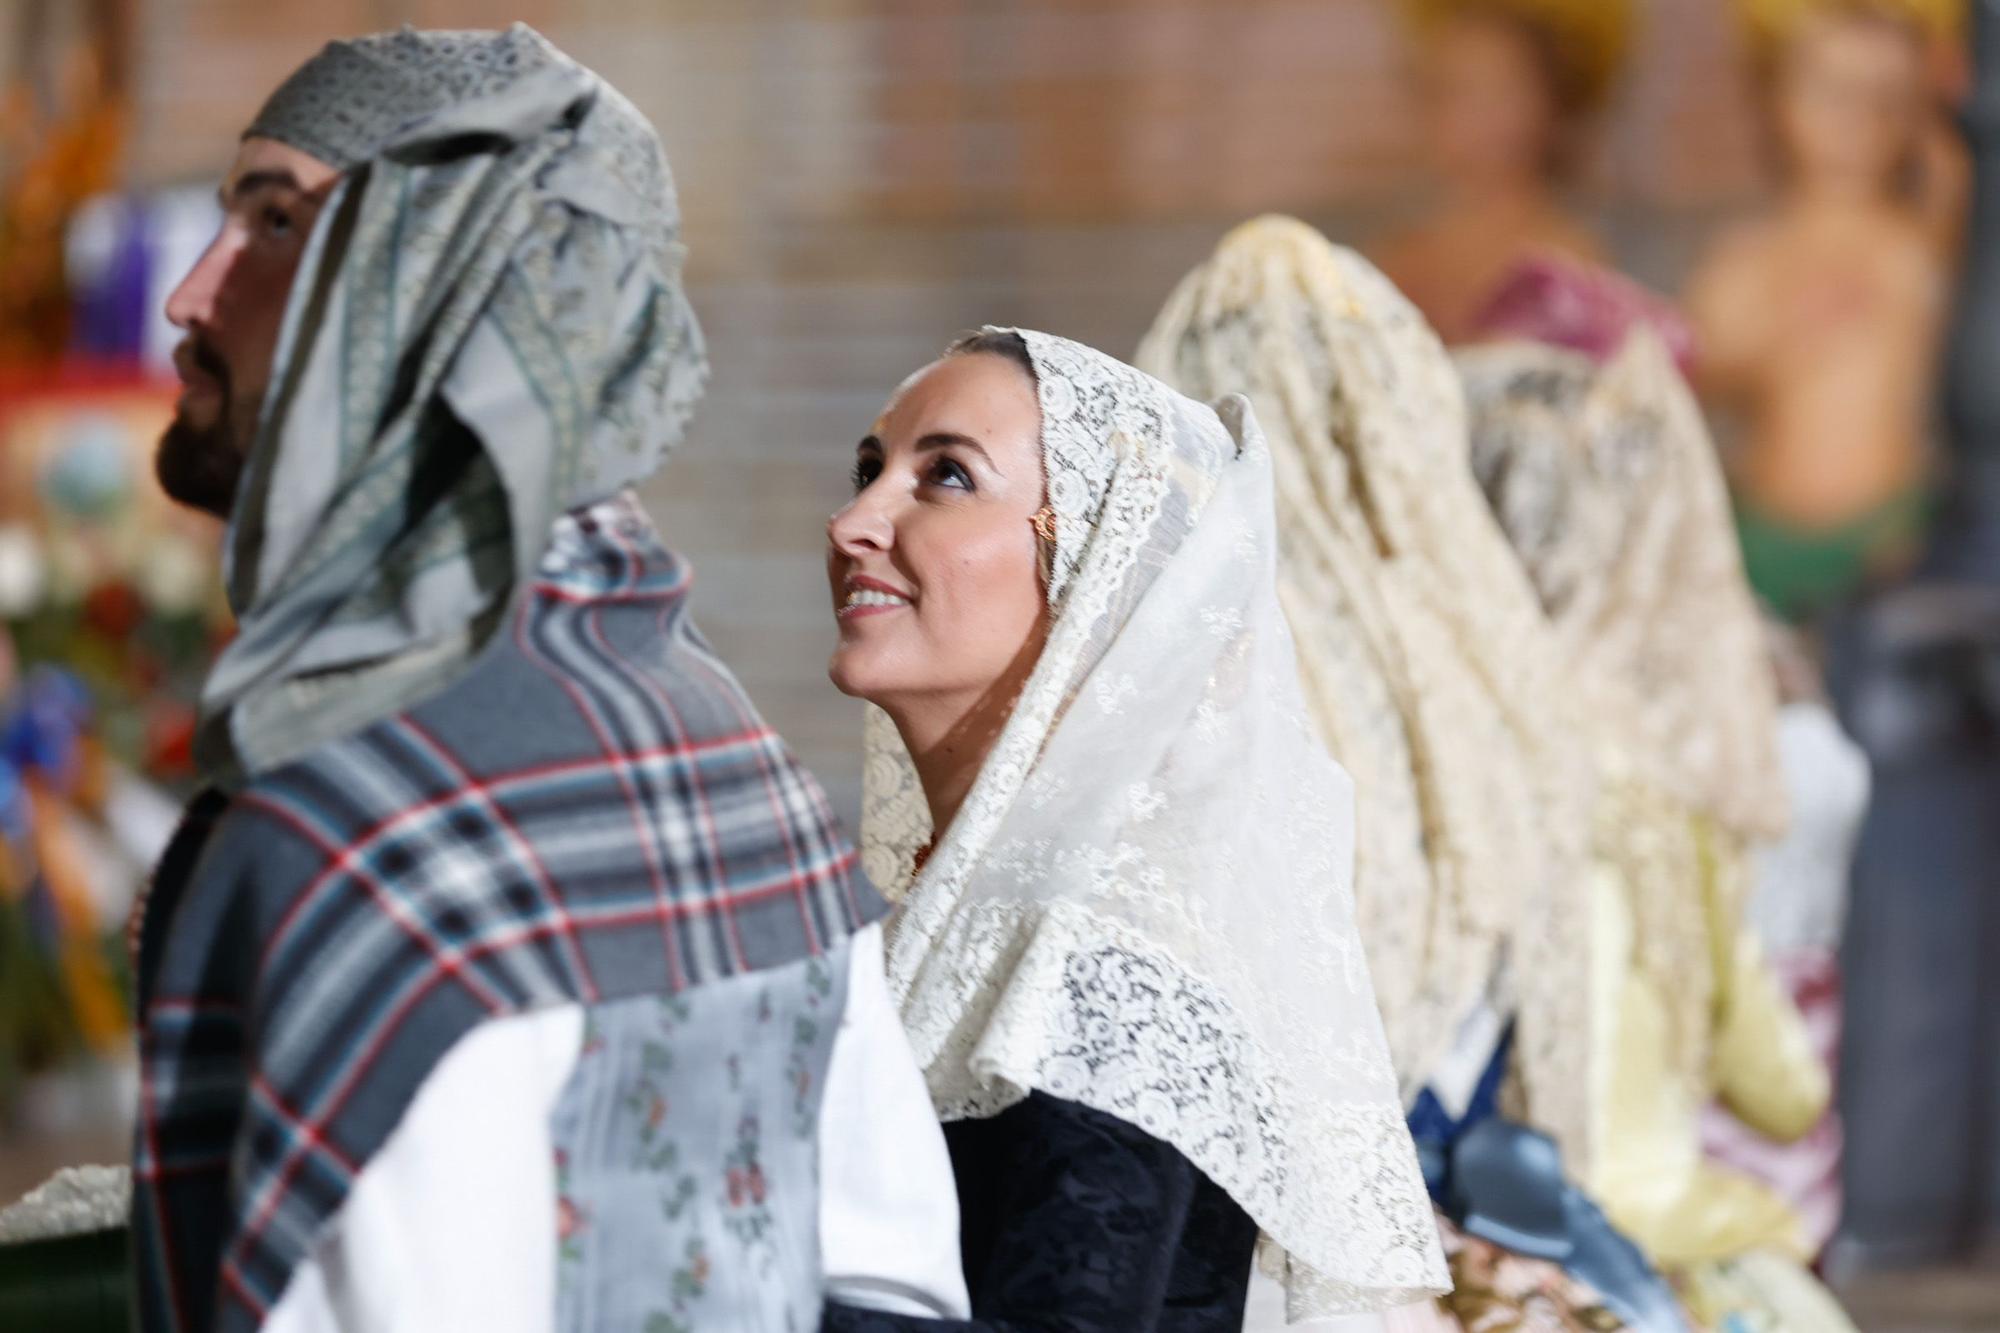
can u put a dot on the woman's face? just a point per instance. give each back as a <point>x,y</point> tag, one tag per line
<point>1850,96</point>
<point>1489,115</point>
<point>933,564</point>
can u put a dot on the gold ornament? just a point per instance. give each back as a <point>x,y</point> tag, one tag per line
<point>1590,38</point>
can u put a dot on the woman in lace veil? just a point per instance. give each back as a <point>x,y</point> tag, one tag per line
<point>1605,481</point>
<point>1126,954</point>
<point>1428,666</point>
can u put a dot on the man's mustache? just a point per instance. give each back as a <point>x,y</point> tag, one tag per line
<point>207,360</point>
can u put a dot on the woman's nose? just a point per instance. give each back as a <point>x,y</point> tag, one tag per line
<point>862,525</point>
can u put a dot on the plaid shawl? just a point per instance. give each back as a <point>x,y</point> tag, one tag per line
<point>594,812</point>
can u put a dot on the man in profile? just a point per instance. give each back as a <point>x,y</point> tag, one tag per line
<point>493,980</point>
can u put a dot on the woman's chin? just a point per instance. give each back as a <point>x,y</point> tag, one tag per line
<point>851,677</point>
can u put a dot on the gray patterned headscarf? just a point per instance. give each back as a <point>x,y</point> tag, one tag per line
<point>487,329</point>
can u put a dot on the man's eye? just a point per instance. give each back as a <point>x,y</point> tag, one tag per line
<point>277,222</point>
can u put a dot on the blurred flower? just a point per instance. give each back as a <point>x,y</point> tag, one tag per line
<point>23,572</point>
<point>174,576</point>
<point>113,609</point>
<point>90,476</point>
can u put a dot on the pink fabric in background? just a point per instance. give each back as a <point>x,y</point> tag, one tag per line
<point>1805,1173</point>
<point>1568,303</point>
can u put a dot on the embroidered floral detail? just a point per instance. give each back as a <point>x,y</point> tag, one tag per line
<point>665,1151</point>
<point>748,1216</point>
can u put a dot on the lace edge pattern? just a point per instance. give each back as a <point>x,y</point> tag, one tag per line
<point>1081,1007</point>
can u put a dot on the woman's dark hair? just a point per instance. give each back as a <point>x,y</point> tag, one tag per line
<point>997,342</point>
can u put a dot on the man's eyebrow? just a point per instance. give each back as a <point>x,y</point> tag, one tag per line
<point>265,179</point>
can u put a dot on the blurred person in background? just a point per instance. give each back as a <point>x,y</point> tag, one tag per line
<point>1604,478</point>
<point>1507,91</point>
<point>1798,904</point>
<point>1433,677</point>
<point>1820,323</point>
<point>508,973</point>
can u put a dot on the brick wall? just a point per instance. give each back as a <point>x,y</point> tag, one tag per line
<point>863,178</point>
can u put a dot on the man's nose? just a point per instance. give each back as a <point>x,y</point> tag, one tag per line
<point>192,303</point>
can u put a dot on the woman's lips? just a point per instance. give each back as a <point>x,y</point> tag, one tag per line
<point>870,597</point>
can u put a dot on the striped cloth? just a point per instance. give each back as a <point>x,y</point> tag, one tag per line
<point>594,812</point>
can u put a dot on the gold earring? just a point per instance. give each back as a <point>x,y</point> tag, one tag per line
<point>1043,521</point>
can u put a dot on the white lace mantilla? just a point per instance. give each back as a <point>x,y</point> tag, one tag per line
<point>1145,903</point>
<point>1114,1024</point>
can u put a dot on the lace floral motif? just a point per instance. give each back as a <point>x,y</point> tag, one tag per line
<point>1144,903</point>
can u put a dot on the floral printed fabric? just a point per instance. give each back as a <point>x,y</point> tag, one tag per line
<point>1496,1291</point>
<point>687,1156</point>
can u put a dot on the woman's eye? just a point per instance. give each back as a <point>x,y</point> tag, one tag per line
<point>864,474</point>
<point>944,472</point>
<point>277,222</point>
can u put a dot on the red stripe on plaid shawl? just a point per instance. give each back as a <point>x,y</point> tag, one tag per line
<point>346,862</point>
<point>494,810</point>
<point>150,1170</point>
<point>615,760</point>
<point>497,786</point>
<point>727,688</point>
<point>678,588</point>
<point>704,813</point>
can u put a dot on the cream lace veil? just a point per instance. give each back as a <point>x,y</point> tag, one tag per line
<point>1144,904</point>
<point>1428,666</point>
<point>1607,483</point>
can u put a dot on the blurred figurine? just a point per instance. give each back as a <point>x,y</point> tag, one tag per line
<point>1798,908</point>
<point>63,115</point>
<point>1820,321</point>
<point>1507,90</point>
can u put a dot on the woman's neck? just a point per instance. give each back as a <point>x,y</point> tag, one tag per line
<point>950,735</point>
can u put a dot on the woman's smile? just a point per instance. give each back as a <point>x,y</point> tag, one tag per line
<point>870,597</point>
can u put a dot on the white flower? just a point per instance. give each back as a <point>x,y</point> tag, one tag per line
<point>24,574</point>
<point>74,1201</point>
<point>174,577</point>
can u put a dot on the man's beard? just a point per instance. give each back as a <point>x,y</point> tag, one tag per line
<point>199,466</point>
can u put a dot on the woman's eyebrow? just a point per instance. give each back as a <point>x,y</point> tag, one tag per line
<point>942,439</point>
<point>945,439</point>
